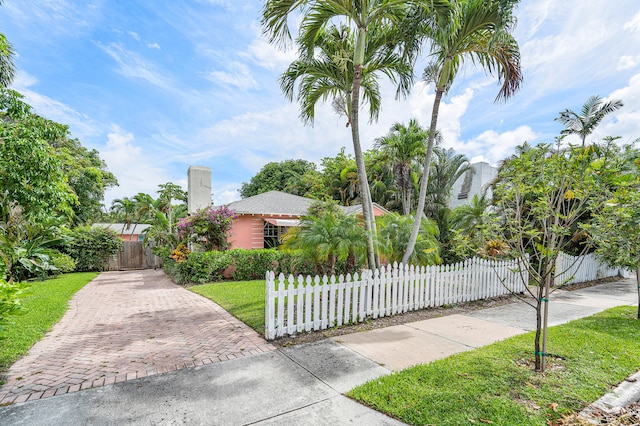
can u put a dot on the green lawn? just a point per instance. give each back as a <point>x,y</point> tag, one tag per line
<point>45,302</point>
<point>244,300</point>
<point>497,385</point>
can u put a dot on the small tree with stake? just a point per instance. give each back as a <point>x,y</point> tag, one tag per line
<point>542,196</point>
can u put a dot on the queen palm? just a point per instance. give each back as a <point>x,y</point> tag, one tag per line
<point>346,60</point>
<point>591,114</point>
<point>7,69</point>
<point>475,30</point>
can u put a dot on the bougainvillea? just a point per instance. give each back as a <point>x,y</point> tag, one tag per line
<point>208,228</point>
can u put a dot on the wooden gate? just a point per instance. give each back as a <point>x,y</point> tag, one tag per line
<point>134,256</point>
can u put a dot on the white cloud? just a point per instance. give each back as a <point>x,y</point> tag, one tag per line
<point>134,35</point>
<point>633,24</point>
<point>627,62</point>
<point>267,55</point>
<point>226,196</point>
<point>132,65</point>
<point>494,147</point>
<point>626,121</point>
<point>136,170</point>
<point>80,125</point>
<point>238,76</point>
<point>153,46</point>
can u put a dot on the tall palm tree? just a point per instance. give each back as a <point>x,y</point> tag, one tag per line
<point>370,19</point>
<point>591,114</point>
<point>475,30</point>
<point>402,147</point>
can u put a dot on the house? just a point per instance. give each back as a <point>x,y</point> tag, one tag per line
<point>264,218</point>
<point>472,182</point>
<point>132,232</point>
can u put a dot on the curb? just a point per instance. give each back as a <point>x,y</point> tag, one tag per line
<point>614,402</point>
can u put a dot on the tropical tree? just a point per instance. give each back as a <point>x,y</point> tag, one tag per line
<point>591,114</point>
<point>7,69</point>
<point>445,171</point>
<point>479,31</point>
<point>403,147</point>
<point>327,236</point>
<point>125,210</point>
<point>393,233</point>
<point>615,227</point>
<point>541,196</point>
<point>279,176</point>
<point>363,51</point>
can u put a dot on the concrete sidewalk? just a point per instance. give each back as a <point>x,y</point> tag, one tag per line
<point>303,385</point>
<point>402,346</point>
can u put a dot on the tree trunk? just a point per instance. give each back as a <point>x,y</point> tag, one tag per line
<point>536,344</point>
<point>638,282</point>
<point>425,177</point>
<point>365,193</point>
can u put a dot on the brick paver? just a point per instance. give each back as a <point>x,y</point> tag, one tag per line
<point>127,325</point>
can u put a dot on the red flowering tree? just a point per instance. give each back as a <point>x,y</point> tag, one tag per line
<point>207,227</point>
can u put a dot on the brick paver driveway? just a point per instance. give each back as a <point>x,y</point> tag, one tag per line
<point>126,325</point>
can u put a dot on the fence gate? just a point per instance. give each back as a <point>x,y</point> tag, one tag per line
<point>132,255</point>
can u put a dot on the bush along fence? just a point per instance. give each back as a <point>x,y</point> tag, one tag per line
<point>580,269</point>
<point>301,304</point>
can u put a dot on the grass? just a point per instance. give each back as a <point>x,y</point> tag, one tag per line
<point>45,302</point>
<point>244,300</point>
<point>496,384</point>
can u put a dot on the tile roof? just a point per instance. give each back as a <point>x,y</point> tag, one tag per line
<point>118,227</point>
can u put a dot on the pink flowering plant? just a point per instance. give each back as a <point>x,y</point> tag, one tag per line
<point>207,227</point>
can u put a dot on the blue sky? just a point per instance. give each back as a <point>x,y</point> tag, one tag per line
<point>159,85</point>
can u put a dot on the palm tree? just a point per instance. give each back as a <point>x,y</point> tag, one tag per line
<point>125,210</point>
<point>7,69</point>
<point>474,30</point>
<point>327,237</point>
<point>372,19</point>
<point>393,233</point>
<point>591,114</point>
<point>402,147</point>
<point>445,171</point>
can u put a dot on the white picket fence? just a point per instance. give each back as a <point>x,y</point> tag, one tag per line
<point>579,269</point>
<point>301,304</point>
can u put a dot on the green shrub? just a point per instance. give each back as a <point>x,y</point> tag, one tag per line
<point>91,247</point>
<point>10,294</point>
<point>252,264</point>
<point>63,262</point>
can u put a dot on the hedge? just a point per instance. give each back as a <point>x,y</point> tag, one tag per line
<point>239,265</point>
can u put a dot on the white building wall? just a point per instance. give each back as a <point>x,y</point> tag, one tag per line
<point>199,191</point>
<point>483,174</point>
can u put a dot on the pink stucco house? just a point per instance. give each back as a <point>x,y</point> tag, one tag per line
<point>263,218</point>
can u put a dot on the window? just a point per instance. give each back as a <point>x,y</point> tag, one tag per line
<point>273,234</point>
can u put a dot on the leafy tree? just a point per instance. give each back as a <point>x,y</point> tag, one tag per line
<point>31,173</point>
<point>359,52</point>
<point>615,228</point>
<point>541,195</point>
<point>393,233</point>
<point>91,247</point>
<point>47,172</point>
<point>591,114</point>
<point>207,227</point>
<point>125,210</point>
<point>473,226</point>
<point>327,235</point>
<point>340,177</point>
<point>382,181</point>
<point>403,147</point>
<point>475,30</point>
<point>286,176</point>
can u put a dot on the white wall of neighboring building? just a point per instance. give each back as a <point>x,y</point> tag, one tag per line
<point>483,174</point>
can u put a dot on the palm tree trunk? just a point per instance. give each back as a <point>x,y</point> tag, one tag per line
<point>365,193</point>
<point>638,282</point>
<point>425,176</point>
